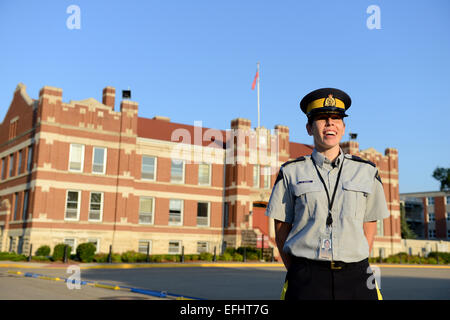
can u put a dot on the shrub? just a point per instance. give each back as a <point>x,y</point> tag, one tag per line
<point>58,251</point>
<point>444,257</point>
<point>252,256</point>
<point>12,256</point>
<point>115,257</point>
<point>86,252</point>
<point>226,257</point>
<point>101,257</point>
<point>156,258</point>
<point>40,258</point>
<point>43,251</point>
<point>206,256</point>
<point>129,256</point>
<point>238,257</point>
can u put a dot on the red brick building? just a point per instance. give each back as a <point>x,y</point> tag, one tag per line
<point>81,171</point>
<point>432,212</point>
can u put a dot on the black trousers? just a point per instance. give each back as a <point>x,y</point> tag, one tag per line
<point>316,280</point>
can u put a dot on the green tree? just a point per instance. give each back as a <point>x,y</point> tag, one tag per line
<point>443,176</point>
<point>407,233</point>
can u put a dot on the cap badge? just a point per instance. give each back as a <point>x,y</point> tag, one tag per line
<point>330,101</point>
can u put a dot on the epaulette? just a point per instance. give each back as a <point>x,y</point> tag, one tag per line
<point>292,161</point>
<point>359,159</point>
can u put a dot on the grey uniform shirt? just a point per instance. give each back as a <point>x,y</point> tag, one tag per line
<point>299,198</point>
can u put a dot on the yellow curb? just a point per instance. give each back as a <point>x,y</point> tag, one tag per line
<point>174,265</point>
<point>411,266</point>
<point>14,272</point>
<point>105,286</point>
<point>49,278</point>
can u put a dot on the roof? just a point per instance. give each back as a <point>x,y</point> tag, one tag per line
<point>160,128</point>
<point>299,149</point>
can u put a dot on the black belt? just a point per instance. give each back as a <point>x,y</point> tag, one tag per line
<point>334,265</point>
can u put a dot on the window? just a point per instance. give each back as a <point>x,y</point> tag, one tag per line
<point>19,164</point>
<point>16,204</point>
<point>20,245</point>
<point>174,247</point>
<point>203,214</point>
<point>430,201</point>
<point>175,212</point>
<point>202,246</point>
<point>30,158</point>
<point>72,205</point>
<point>99,160</point>
<point>256,176</point>
<point>448,216</point>
<point>448,234</point>
<point>96,243</point>
<point>145,245</point>
<point>25,205</point>
<point>177,171</point>
<point>204,177</point>
<point>96,206</point>
<point>13,129</point>
<point>4,168</point>
<point>431,217</point>
<point>76,157</point>
<point>148,168</point>
<point>447,200</point>
<point>146,210</point>
<point>11,165</point>
<point>432,233</point>
<point>380,228</point>
<point>72,243</point>
<point>266,178</point>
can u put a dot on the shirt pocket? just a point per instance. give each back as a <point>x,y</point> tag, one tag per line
<point>307,198</point>
<point>355,198</point>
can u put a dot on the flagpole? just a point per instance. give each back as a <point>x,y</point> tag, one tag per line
<point>259,75</point>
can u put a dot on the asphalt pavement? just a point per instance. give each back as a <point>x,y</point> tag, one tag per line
<point>234,281</point>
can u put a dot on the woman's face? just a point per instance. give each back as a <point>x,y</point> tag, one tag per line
<point>327,130</point>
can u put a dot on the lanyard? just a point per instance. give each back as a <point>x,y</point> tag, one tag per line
<point>330,203</point>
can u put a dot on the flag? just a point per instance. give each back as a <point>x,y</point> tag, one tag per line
<point>254,80</point>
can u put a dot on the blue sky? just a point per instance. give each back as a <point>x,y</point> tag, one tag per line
<point>195,61</point>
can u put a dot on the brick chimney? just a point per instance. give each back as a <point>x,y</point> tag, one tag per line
<point>109,97</point>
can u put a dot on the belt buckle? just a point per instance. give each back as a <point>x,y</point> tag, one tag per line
<point>333,267</point>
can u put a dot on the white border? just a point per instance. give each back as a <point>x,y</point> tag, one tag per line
<point>153,210</point>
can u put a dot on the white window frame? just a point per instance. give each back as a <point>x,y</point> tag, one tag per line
<point>258,173</point>
<point>74,247</point>
<point>148,243</point>
<point>78,206</point>
<point>179,246</point>
<point>96,242</point>
<point>208,216</point>
<point>171,223</point>
<point>183,173</point>
<point>267,177</point>
<point>82,157</point>
<point>102,201</point>
<point>209,174</point>
<point>154,167</point>
<point>153,210</point>
<point>207,246</point>
<point>104,160</point>
<point>430,201</point>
